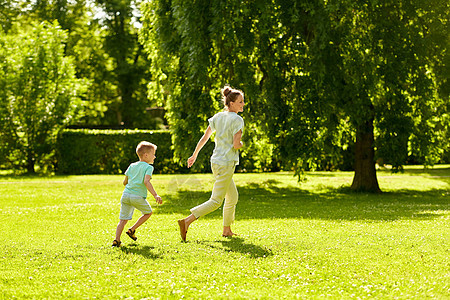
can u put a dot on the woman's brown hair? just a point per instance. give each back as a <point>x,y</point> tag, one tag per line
<point>230,95</point>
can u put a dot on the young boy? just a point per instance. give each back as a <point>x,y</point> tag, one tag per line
<point>137,182</point>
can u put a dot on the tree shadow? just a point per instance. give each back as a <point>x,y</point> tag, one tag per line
<point>145,251</point>
<point>268,201</point>
<point>238,245</point>
<point>441,173</point>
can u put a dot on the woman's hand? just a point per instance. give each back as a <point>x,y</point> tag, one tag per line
<point>191,160</point>
<point>237,143</point>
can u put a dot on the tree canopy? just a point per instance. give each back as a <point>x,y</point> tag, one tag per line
<point>320,77</point>
<point>328,84</point>
<point>38,93</point>
<point>103,40</point>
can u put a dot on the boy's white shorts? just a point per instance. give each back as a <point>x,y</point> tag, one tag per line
<point>129,202</point>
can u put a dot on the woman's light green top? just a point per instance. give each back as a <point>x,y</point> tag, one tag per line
<point>226,125</point>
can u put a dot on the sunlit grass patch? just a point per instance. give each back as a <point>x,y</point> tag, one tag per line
<point>310,240</point>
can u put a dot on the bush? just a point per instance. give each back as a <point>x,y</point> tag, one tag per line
<point>94,151</point>
<point>87,151</point>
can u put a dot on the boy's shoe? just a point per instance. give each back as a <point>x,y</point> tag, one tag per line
<point>116,243</point>
<point>131,234</point>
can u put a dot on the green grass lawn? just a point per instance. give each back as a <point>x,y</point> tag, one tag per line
<point>306,241</point>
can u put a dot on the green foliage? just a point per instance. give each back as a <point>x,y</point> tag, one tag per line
<point>129,69</point>
<point>9,12</point>
<point>258,153</point>
<point>39,94</point>
<point>315,73</point>
<point>110,151</point>
<point>102,39</point>
<point>181,54</point>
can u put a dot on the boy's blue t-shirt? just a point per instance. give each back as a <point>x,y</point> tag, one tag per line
<point>136,173</point>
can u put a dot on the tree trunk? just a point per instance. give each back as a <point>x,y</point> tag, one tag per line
<point>30,162</point>
<point>365,179</point>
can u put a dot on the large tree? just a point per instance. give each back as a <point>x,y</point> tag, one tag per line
<point>130,71</point>
<point>38,94</point>
<point>320,76</point>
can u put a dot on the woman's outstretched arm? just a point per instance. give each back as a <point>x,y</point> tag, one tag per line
<point>191,160</point>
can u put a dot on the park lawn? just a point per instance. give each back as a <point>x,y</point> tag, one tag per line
<point>310,240</point>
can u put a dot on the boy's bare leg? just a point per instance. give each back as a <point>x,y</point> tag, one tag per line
<point>120,228</point>
<point>141,221</point>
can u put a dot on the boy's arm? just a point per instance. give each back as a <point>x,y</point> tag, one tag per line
<point>200,144</point>
<point>151,189</point>
<point>125,181</point>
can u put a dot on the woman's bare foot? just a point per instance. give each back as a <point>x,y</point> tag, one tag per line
<point>184,225</point>
<point>183,229</point>
<point>227,232</point>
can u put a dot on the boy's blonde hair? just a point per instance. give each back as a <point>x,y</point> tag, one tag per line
<point>145,147</point>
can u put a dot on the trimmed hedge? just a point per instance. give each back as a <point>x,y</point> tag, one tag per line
<point>96,151</point>
<point>90,151</point>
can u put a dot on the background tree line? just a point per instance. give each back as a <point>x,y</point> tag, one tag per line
<point>100,38</point>
<point>324,80</point>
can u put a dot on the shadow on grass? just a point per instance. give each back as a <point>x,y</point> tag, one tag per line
<point>442,171</point>
<point>268,201</point>
<point>238,245</point>
<point>145,251</point>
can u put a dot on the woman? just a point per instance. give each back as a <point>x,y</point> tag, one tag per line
<point>228,126</point>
